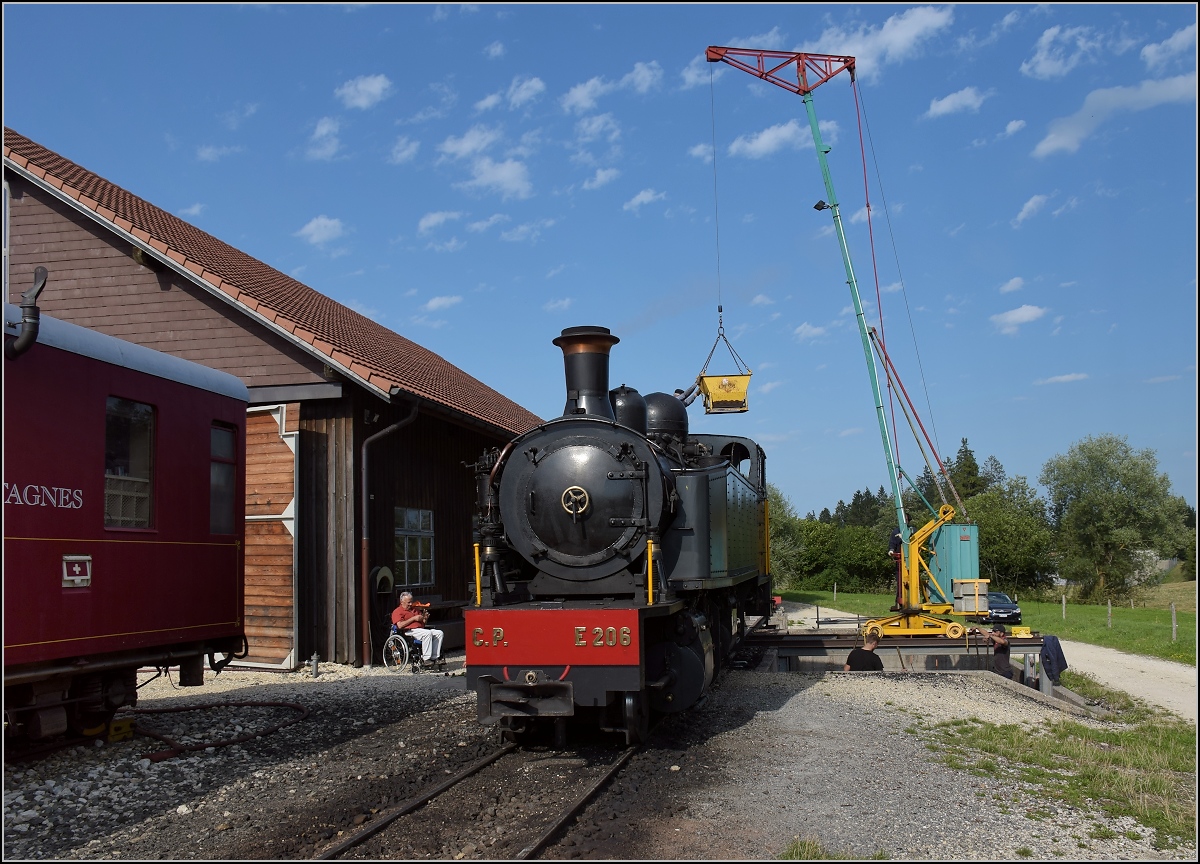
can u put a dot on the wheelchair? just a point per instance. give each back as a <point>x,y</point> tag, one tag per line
<point>403,649</point>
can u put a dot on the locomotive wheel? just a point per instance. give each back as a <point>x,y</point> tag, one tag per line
<point>955,630</point>
<point>637,718</point>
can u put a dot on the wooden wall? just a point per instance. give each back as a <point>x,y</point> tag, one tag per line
<point>270,534</point>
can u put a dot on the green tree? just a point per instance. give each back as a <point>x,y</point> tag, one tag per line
<point>1014,536</point>
<point>1109,507</point>
<point>964,473</point>
<point>784,539</point>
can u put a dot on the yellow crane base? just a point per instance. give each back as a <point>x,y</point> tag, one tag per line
<point>914,624</point>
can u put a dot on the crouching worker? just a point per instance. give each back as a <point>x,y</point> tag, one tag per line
<point>413,619</point>
<point>865,659</point>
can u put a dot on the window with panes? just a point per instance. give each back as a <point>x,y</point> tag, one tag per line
<point>414,547</point>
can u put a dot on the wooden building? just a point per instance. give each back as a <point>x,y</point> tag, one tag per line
<point>337,401</point>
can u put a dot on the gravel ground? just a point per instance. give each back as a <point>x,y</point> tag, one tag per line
<point>769,757</point>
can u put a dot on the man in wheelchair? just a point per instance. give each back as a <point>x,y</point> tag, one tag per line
<point>412,618</point>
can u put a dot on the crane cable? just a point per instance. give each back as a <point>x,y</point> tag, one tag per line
<point>860,115</point>
<point>743,369</point>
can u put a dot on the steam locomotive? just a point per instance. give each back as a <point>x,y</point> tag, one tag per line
<point>124,482</point>
<point>618,558</point>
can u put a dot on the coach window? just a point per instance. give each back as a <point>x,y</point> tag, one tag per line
<point>414,547</point>
<point>222,480</point>
<point>128,464</point>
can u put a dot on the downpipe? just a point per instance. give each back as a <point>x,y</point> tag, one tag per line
<point>31,318</point>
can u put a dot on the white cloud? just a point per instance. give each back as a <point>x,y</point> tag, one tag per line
<point>1008,322</point>
<point>761,300</point>
<point>583,97</point>
<point>193,211</point>
<point>487,103</point>
<point>598,126</point>
<point>364,91</point>
<point>321,230</point>
<point>966,99</point>
<point>1013,127</point>
<point>558,305</point>
<point>451,245</point>
<point>808,331</point>
<point>703,152</point>
<point>238,114</point>
<point>1030,209</point>
<point>773,139</point>
<point>902,37</point>
<point>1163,379</point>
<point>494,51</point>
<point>404,150</point>
<point>1063,379</point>
<point>509,178</point>
<point>602,177</point>
<point>767,387</point>
<point>474,140</point>
<point>323,144</point>
<point>524,90</point>
<point>1059,50</point>
<point>1069,205</point>
<point>485,224</point>
<point>1180,42</point>
<point>213,154</point>
<point>433,220</point>
<point>644,77</point>
<point>1068,133</point>
<point>528,232</point>
<point>646,196</point>
<point>1014,284</point>
<point>437,303</point>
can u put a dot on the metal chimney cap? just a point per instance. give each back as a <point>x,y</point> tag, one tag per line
<point>582,338</point>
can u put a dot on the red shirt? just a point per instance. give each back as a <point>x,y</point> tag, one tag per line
<point>400,613</point>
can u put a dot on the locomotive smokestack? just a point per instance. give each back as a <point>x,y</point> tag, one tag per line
<point>585,356</point>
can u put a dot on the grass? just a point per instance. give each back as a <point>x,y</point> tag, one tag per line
<point>1143,630</point>
<point>804,849</point>
<point>1141,764</point>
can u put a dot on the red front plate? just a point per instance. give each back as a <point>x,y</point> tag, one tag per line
<point>552,637</point>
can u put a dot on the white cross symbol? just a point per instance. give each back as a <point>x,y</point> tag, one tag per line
<point>77,569</point>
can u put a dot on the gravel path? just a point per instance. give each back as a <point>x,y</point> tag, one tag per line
<point>838,758</point>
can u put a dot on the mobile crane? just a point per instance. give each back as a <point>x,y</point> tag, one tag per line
<point>923,595</point>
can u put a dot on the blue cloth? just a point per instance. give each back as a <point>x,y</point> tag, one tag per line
<point>1053,661</point>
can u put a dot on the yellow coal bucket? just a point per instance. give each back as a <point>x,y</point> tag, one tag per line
<point>725,394</point>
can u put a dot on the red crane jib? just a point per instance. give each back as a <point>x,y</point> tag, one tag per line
<point>822,66</point>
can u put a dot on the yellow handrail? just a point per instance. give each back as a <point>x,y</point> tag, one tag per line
<point>478,579</point>
<point>649,572</point>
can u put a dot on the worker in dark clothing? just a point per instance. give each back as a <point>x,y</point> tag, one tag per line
<point>865,659</point>
<point>998,639</point>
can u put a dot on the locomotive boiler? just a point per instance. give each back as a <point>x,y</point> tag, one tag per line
<point>124,477</point>
<point>618,557</point>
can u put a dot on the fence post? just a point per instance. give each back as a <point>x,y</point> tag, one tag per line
<point>1064,607</point>
<point>834,592</point>
<point>1109,614</point>
<point>1174,626</point>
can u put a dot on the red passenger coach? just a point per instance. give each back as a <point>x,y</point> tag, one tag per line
<point>124,490</point>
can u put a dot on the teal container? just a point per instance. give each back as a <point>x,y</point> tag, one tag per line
<point>956,549</point>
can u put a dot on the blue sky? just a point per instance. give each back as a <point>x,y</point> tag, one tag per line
<point>479,177</point>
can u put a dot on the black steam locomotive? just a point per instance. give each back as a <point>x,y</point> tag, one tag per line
<point>618,557</point>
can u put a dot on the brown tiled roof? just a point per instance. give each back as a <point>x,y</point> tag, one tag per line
<point>348,340</point>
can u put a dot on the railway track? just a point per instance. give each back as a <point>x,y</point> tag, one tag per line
<point>509,804</point>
